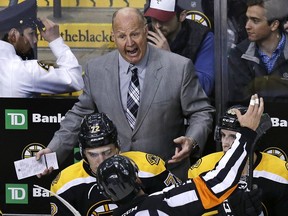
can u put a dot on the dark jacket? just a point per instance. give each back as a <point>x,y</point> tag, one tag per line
<point>196,42</point>
<point>248,75</point>
<point>189,39</point>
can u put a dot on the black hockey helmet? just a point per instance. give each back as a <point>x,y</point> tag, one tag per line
<point>96,130</point>
<point>229,121</point>
<point>117,177</point>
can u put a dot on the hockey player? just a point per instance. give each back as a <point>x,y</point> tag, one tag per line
<point>269,172</point>
<point>117,176</point>
<point>77,183</point>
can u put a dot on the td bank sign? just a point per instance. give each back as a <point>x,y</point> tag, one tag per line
<point>16,119</point>
<point>17,193</point>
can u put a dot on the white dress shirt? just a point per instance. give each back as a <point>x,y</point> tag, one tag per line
<point>29,78</point>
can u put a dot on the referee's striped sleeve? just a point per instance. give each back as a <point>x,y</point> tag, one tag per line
<point>216,185</point>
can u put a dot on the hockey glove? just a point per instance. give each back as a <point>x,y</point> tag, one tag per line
<point>242,203</point>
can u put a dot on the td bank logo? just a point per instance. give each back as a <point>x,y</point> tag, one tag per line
<point>16,193</point>
<point>16,119</point>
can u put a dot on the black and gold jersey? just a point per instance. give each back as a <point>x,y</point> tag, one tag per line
<point>270,174</point>
<point>79,187</point>
<point>196,196</point>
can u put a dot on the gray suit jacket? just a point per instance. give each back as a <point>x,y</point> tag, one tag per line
<point>170,93</point>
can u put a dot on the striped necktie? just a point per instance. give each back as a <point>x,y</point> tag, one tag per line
<point>133,97</point>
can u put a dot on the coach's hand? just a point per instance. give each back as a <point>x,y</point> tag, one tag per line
<point>185,147</point>
<point>38,156</point>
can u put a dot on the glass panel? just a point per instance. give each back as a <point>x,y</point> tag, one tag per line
<point>258,63</point>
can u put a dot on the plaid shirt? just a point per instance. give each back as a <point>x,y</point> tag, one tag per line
<point>269,62</point>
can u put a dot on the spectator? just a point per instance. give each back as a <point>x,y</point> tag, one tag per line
<point>118,177</point>
<point>93,3</point>
<point>236,18</point>
<point>169,93</point>
<point>98,141</point>
<point>259,63</point>
<point>173,32</point>
<point>30,78</point>
<point>12,2</point>
<point>270,172</point>
<point>286,26</point>
<point>47,3</point>
<point>111,3</point>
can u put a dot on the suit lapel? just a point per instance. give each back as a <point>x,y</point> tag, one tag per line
<point>152,79</point>
<point>111,69</point>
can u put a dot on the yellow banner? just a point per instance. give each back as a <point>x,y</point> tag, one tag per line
<point>85,3</point>
<point>84,35</point>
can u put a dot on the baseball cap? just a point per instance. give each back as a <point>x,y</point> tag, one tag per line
<point>162,10</point>
<point>23,14</point>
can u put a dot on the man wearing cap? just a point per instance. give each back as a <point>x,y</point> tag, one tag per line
<point>21,75</point>
<point>173,32</point>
